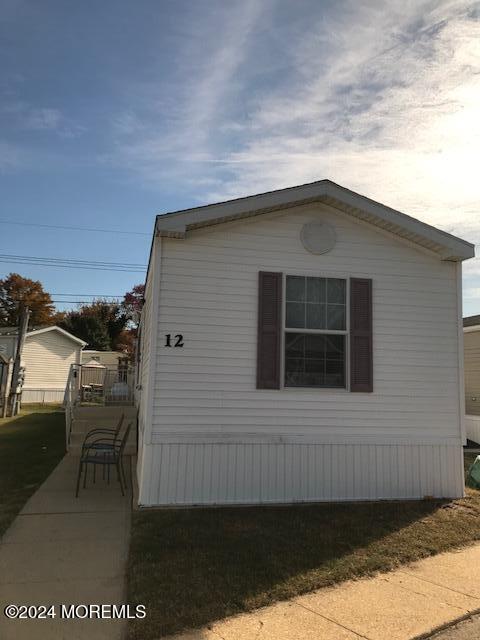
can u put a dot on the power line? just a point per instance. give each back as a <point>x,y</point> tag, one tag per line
<point>88,295</point>
<point>70,266</point>
<point>67,263</point>
<point>68,228</point>
<point>74,260</point>
<point>75,301</point>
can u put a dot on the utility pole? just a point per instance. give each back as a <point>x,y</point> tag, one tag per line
<point>22,333</point>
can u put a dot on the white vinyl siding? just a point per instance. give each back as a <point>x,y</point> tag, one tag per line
<point>205,392</point>
<point>471,341</point>
<point>47,358</point>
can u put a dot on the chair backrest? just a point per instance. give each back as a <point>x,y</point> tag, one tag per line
<point>119,425</point>
<point>124,439</point>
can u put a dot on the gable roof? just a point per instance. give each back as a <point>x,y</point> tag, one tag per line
<point>471,323</point>
<point>13,331</point>
<point>447,246</point>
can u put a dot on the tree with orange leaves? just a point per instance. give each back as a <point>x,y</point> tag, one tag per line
<point>17,291</point>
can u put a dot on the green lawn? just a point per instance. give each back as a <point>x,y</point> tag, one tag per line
<point>193,566</point>
<point>31,445</point>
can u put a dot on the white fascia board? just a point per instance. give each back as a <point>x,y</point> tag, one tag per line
<point>176,224</point>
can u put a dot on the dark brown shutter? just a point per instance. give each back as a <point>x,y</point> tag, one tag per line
<point>361,343</point>
<point>269,330</point>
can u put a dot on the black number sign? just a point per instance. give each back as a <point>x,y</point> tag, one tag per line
<point>178,340</point>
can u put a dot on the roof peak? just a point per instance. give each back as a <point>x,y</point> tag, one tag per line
<point>448,247</point>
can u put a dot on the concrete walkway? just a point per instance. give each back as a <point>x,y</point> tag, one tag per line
<point>63,550</point>
<point>400,605</point>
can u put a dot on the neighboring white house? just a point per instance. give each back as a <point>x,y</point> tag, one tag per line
<point>300,345</point>
<point>47,355</point>
<point>471,339</point>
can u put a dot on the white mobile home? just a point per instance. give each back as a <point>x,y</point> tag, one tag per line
<point>471,339</point>
<point>300,345</point>
<point>47,355</point>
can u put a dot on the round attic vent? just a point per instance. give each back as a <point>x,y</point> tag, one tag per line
<point>318,237</point>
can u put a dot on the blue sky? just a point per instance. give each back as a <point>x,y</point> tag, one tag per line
<point>113,111</point>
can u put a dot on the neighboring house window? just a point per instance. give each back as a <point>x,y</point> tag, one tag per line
<point>315,332</point>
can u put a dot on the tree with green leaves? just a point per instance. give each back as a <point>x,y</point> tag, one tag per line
<point>101,324</point>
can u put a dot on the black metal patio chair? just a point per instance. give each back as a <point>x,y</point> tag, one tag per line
<point>98,432</point>
<point>106,452</point>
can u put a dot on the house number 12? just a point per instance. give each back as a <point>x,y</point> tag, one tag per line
<point>178,340</point>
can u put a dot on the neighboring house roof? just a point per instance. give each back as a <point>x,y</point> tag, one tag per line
<point>447,246</point>
<point>471,323</point>
<point>94,363</point>
<point>13,331</point>
<point>119,353</point>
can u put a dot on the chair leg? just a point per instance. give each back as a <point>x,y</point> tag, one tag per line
<point>122,467</point>
<point>120,479</point>
<point>94,472</point>
<point>80,468</point>
<point>85,476</point>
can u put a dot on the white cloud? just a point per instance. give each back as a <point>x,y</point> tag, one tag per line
<point>42,119</point>
<point>381,97</point>
<point>11,157</point>
<point>21,115</point>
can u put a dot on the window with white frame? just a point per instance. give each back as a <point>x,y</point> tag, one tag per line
<point>315,332</point>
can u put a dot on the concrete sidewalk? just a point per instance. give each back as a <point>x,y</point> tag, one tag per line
<point>400,605</point>
<point>63,550</point>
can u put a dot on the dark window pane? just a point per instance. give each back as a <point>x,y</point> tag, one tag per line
<point>295,315</point>
<point>294,345</point>
<point>336,290</point>
<point>314,379</point>
<point>314,346</point>
<point>314,366</point>
<point>293,379</point>
<point>316,316</point>
<point>334,366</point>
<point>295,289</point>
<point>316,289</point>
<point>334,347</point>
<point>335,373</point>
<point>335,317</point>
<point>294,365</point>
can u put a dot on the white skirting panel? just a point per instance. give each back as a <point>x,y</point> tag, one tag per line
<point>253,473</point>
<point>42,396</point>
<point>472,426</point>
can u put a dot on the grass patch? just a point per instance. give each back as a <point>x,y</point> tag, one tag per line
<point>193,566</point>
<point>31,445</point>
